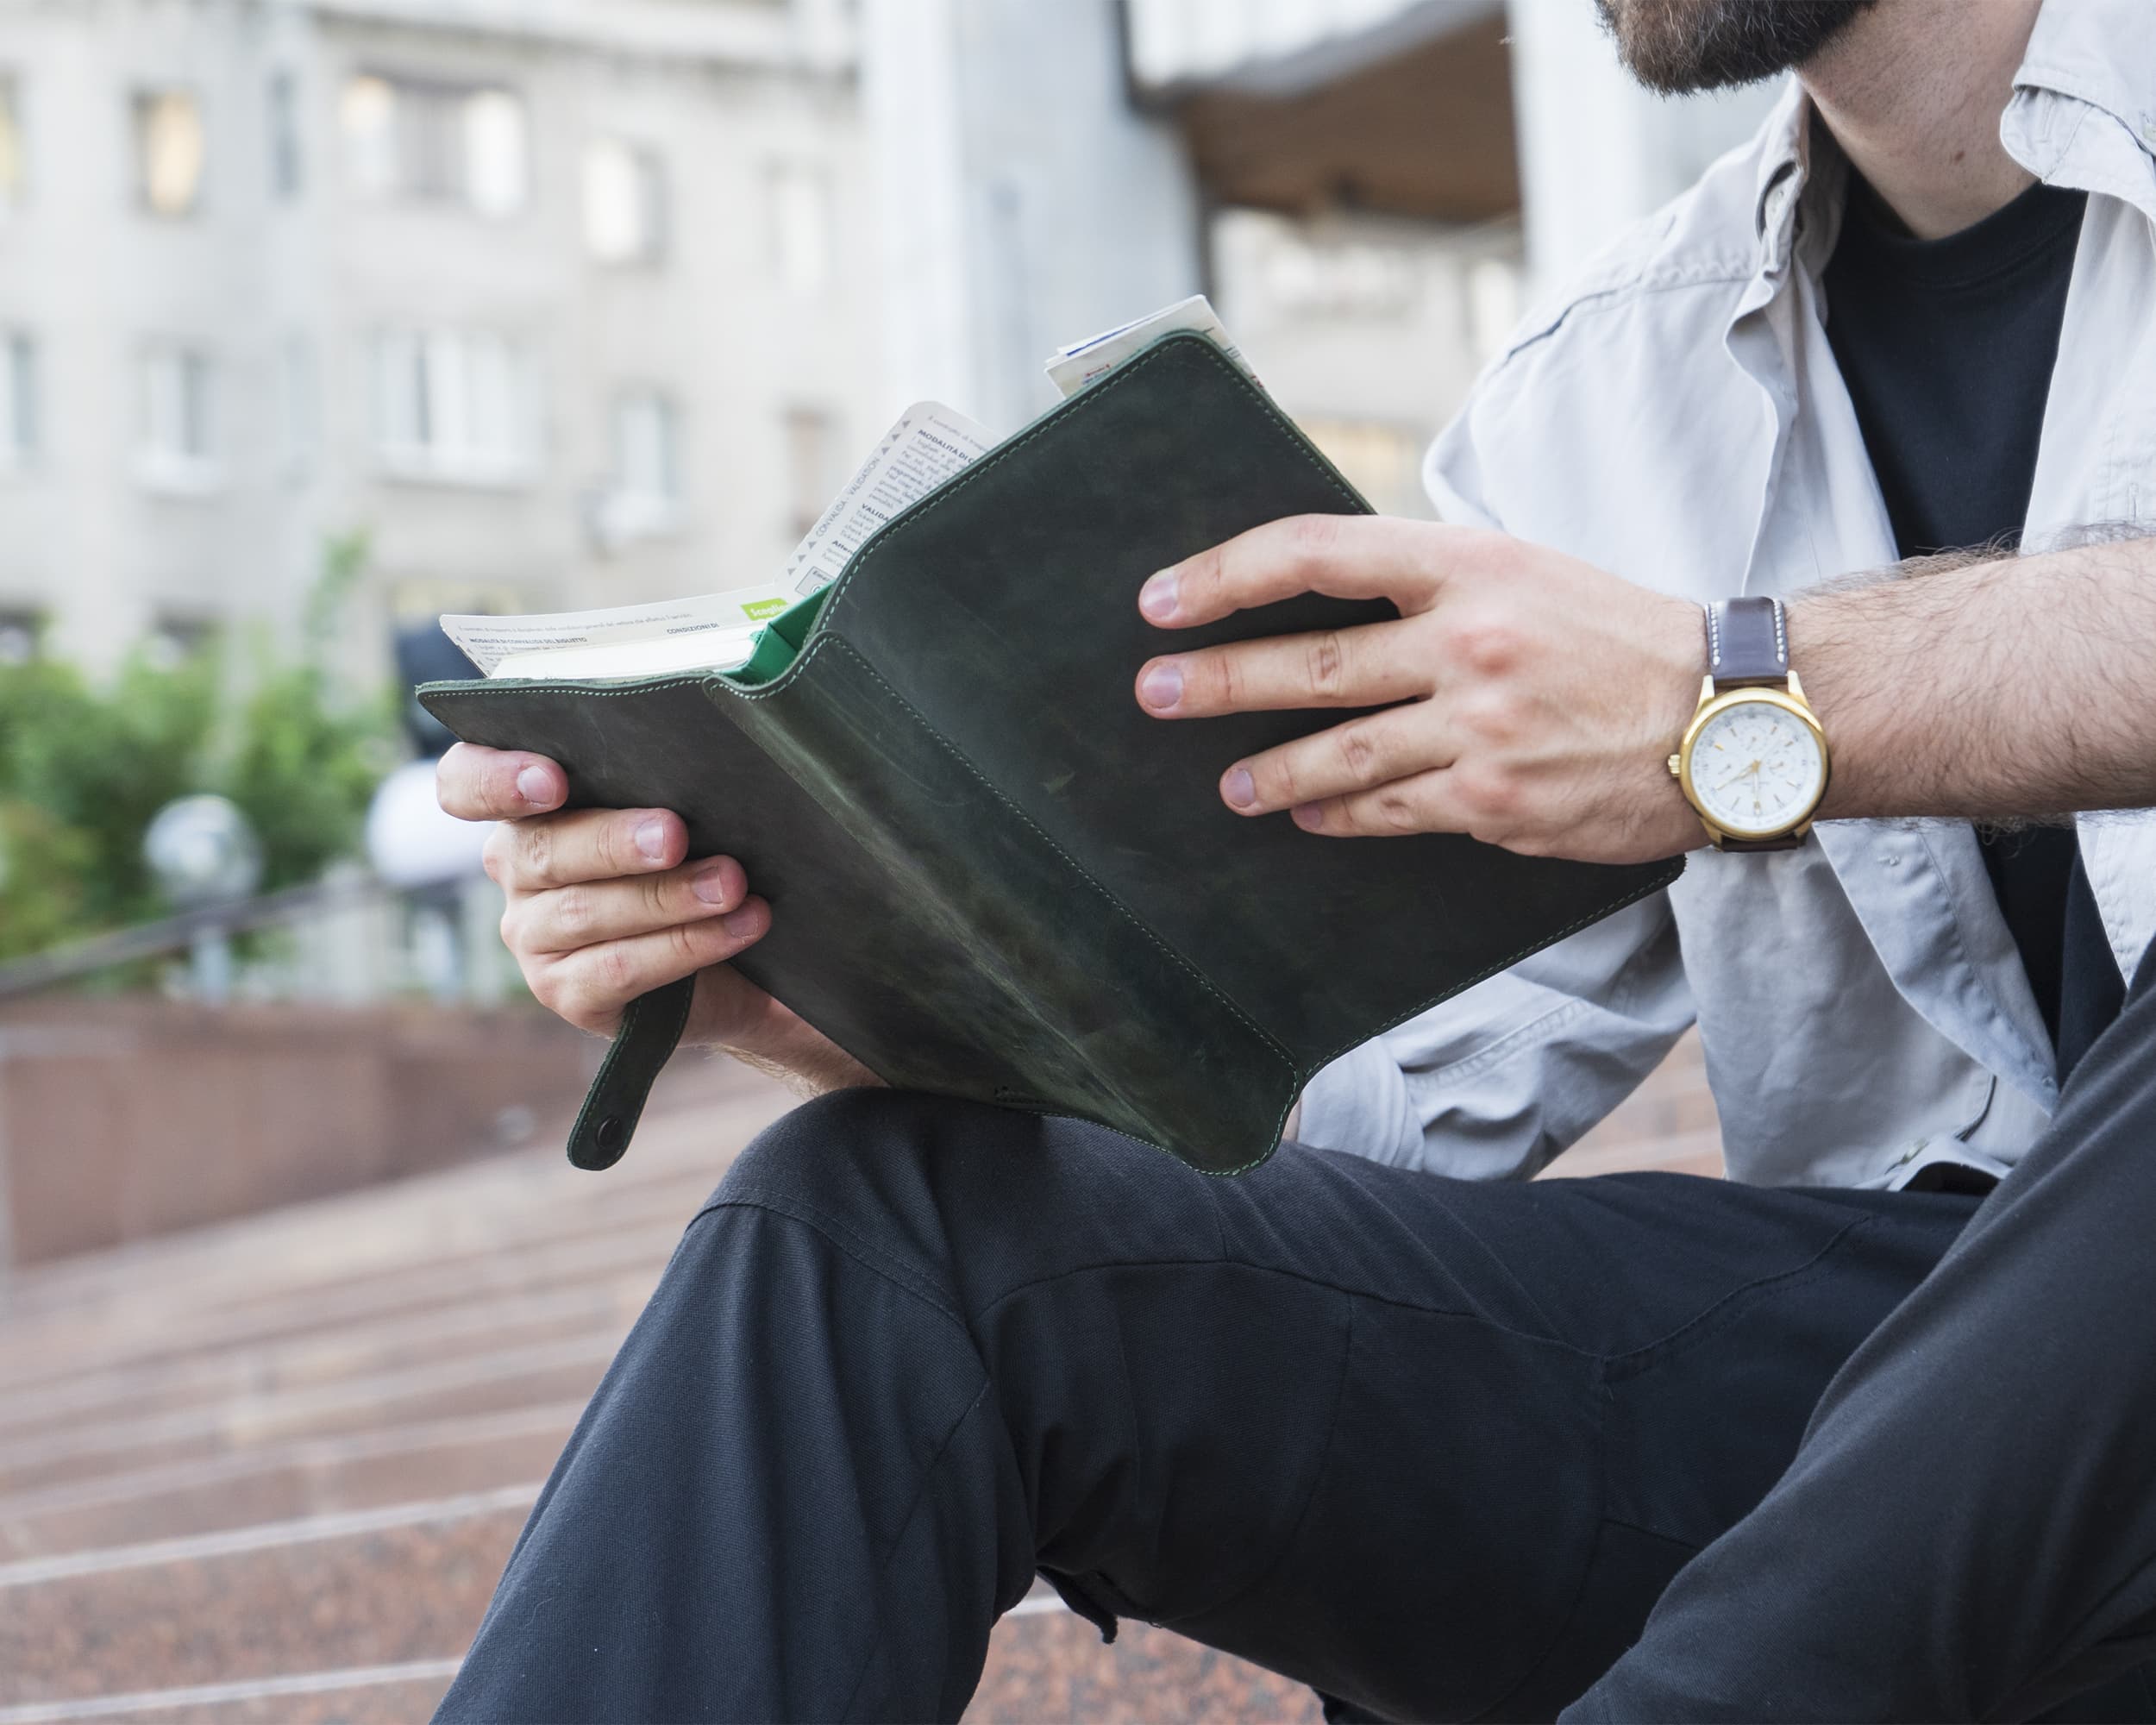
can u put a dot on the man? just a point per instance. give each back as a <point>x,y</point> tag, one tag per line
<point>1842,1437</point>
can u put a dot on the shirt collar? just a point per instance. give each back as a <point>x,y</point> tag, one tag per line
<point>1783,161</point>
<point>2084,110</point>
<point>2098,51</point>
<point>1797,194</point>
<point>2095,54</point>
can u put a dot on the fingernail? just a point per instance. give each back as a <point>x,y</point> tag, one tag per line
<point>1310,817</point>
<point>1156,598</point>
<point>651,839</point>
<point>1160,687</point>
<point>1238,788</point>
<point>709,885</point>
<point>535,786</point>
<point>740,923</point>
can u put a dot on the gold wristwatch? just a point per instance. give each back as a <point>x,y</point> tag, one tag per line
<point>1753,761</point>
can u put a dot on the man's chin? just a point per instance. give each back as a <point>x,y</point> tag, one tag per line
<point>1678,47</point>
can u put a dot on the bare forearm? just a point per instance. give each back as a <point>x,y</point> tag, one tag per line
<point>809,1074</point>
<point>2018,687</point>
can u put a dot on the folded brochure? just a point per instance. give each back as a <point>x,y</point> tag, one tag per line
<point>721,632</point>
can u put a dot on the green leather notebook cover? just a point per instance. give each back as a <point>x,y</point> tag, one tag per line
<point>991,875</point>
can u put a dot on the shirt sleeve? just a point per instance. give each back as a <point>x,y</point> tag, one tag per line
<point>1494,1083</point>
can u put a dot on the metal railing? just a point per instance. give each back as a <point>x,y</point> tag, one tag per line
<point>360,939</point>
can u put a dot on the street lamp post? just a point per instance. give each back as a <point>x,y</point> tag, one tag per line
<point>204,855</point>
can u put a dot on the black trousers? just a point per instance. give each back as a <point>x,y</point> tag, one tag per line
<point>1435,1448</point>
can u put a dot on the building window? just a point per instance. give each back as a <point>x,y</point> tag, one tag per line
<point>641,499</point>
<point>406,138</point>
<point>177,639</point>
<point>18,401</point>
<point>799,204</point>
<point>810,442</point>
<point>22,633</point>
<point>454,405</point>
<point>177,452</point>
<point>14,167</point>
<point>171,151</point>
<point>648,447</point>
<point>287,157</point>
<point>625,203</point>
<point>298,406</point>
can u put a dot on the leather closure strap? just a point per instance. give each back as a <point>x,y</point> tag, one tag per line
<point>644,1043</point>
<point>1747,643</point>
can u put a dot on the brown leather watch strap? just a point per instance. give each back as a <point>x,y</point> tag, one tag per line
<point>1748,647</point>
<point>1789,841</point>
<point>1747,643</point>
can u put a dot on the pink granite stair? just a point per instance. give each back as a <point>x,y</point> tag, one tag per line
<point>269,1471</point>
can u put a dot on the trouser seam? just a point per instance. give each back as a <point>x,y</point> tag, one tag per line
<point>2074,1641</point>
<point>1603,1521</point>
<point>1464,1314</point>
<point>1633,1361</point>
<point>864,1253</point>
<point>1630,1527</point>
<point>914,1508</point>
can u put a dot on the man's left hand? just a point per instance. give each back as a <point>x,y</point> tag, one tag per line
<point>1529,699</point>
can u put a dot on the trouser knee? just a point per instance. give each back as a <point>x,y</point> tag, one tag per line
<point>912,1183</point>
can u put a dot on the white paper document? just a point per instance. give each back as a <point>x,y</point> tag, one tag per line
<point>1070,369</point>
<point>928,445</point>
<point>714,631</point>
<point>717,631</point>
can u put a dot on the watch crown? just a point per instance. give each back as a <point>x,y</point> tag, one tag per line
<point>1676,766</point>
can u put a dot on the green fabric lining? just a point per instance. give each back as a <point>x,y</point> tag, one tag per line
<point>780,640</point>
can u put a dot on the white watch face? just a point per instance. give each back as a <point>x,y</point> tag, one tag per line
<point>1757,768</point>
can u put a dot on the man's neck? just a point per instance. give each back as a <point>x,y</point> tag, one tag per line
<point>1913,91</point>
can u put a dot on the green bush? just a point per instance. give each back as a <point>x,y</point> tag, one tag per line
<point>96,765</point>
<point>84,767</point>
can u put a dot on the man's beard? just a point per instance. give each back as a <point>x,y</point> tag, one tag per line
<point>1680,46</point>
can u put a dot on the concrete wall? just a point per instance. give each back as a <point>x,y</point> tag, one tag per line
<point>124,1119</point>
<point>1598,151</point>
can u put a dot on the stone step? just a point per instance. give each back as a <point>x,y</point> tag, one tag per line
<point>371,1470</point>
<point>33,1359</point>
<point>381,1587</point>
<point>356,1348</point>
<point>528,1194</point>
<point>375,1695</point>
<point>510,1378</point>
<point>388,1225</point>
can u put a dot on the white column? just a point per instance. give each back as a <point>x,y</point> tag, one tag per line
<point>1022,202</point>
<point>1596,149</point>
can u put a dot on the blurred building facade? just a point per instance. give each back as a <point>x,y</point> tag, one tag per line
<point>568,302</point>
<point>1391,183</point>
<point>559,301</point>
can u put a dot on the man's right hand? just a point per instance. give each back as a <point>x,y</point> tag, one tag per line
<point>605,904</point>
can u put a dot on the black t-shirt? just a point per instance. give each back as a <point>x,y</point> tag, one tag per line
<point>1947,347</point>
